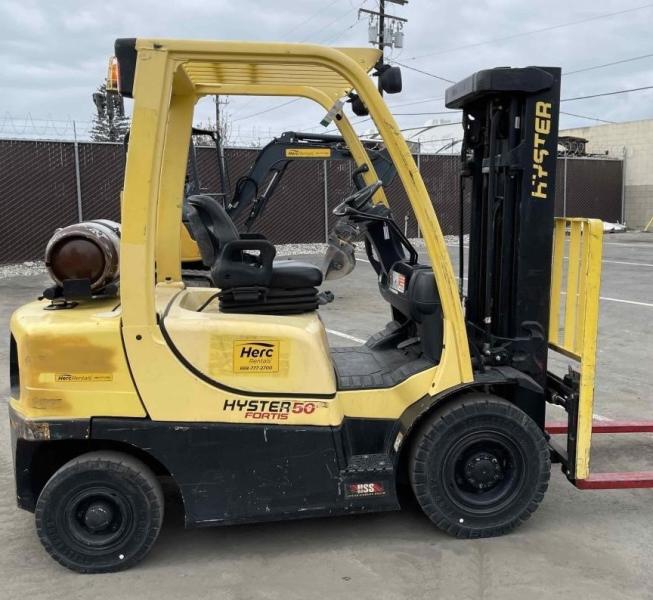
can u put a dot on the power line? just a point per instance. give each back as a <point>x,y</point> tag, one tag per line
<point>616,62</point>
<point>266,110</point>
<point>427,127</point>
<point>271,108</point>
<point>292,29</point>
<point>562,112</point>
<point>443,112</point>
<point>647,87</point>
<point>396,62</point>
<point>338,36</point>
<point>532,31</point>
<point>310,18</point>
<point>568,73</point>
<point>342,16</point>
<point>412,103</point>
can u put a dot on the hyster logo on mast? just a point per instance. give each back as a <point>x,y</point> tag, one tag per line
<point>256,356</point>
<point>539,178</point>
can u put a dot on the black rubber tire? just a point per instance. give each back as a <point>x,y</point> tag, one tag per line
<point>440,481</point>
<point>118,480</point>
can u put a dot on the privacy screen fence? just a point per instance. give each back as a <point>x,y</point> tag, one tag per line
<point>49,184</point>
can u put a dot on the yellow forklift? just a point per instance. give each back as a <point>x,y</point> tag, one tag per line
<point>122,374</point>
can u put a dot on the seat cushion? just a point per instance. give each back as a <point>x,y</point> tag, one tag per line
<point>290,274</point>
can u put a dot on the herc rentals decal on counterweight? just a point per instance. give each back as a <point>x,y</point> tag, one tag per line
<point>258,356</point>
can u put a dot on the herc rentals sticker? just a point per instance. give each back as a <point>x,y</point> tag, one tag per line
<point>258,356</point>
<point>82,377</point>
<point>308,152</point>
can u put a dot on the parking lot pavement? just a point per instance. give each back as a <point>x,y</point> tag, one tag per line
<point>577,545</point>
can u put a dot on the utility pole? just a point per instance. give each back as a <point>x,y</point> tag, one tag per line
<point>381,38</point>
<point>224,183</point>
<point>393,37</point>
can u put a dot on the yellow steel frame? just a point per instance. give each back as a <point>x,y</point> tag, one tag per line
<point>170,77</point>
<point>573,331</point>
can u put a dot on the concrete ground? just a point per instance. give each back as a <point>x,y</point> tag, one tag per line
<point>577,545</point>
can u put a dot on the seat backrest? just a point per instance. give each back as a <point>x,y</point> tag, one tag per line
<point>209,225</point>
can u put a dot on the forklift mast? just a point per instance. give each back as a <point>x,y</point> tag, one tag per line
<point>510,120</point>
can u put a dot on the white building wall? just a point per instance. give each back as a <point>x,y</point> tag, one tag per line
<point>634,142</point>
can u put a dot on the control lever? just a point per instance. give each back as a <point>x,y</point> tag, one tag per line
<point>325,297</point>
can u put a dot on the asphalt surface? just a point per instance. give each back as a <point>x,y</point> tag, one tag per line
<point>577,545</point>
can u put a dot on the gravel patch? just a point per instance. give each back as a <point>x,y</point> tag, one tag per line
<point>30,267</point>
<point>320,248</point>
<point>37,267</point>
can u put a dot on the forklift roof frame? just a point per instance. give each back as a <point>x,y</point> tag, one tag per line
<point>169,78</point>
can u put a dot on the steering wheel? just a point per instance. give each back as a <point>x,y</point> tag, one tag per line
<point>357,200</point>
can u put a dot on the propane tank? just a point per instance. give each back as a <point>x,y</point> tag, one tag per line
<point>88,250</point>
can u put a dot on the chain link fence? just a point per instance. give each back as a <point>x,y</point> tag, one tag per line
<point>46,184</point>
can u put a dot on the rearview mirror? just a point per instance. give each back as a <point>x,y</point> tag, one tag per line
<point>357,105</point>
<point>390,78</point>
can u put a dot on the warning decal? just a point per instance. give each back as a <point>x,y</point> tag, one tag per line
<point>256,356</point>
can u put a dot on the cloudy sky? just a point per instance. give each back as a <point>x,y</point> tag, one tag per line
<point>54,54</point>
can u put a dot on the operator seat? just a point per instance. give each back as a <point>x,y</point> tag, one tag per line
<point>243,265</point>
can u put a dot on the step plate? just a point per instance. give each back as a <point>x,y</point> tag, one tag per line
<point>369,482</point>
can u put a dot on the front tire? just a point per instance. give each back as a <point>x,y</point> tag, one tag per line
<point>480,467</point>
<point>100,512</point>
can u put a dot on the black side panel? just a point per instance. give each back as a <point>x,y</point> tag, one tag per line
<point>229,473</point>
<point>125,50</point>
<point>369,436</point>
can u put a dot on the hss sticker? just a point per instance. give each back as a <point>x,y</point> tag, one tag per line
<point>359,490</point>
<point>256,356</point>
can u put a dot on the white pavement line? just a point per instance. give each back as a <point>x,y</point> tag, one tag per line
<point>620,300</point>
<point>627,301</point>
<point>646,245</point>
<point>634,264</point>
<point>619,262</point>
<point>598,417</point>
<point>346,336</point>
<point>367,261</point>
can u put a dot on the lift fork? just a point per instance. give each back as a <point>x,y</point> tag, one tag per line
<point>573,329</point>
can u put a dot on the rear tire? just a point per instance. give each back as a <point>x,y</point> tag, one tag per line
<point>100,512</point>
<point>480,467</point>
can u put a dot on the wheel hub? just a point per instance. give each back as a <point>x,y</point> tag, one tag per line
<point>98,515</point>
<point>483,470</point>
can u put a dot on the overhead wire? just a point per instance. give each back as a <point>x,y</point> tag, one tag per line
<point>276,107</point>
<point>422,72</point>
<point>447,80</point>
<point>342,16</point>
<point>532,31</point>
<point>562,112</point>
<point>610,64</point>
<point>266,110</point>
<point>637,89</point>
<point>309,18</point>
